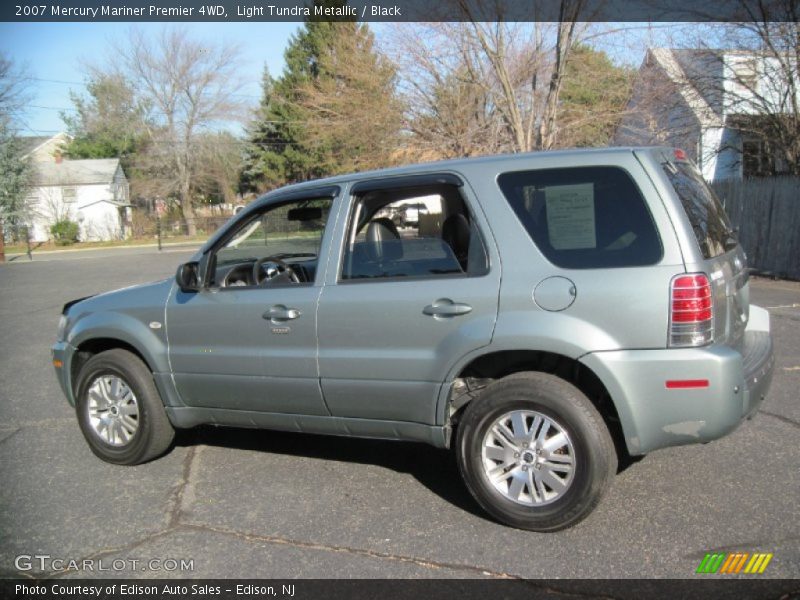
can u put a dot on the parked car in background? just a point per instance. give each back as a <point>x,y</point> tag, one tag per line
<point>557,312</point>
<point>412,212</point>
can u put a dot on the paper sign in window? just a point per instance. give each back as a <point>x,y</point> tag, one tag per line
<point>570,216</point>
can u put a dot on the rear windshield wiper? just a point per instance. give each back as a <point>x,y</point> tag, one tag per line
<point>731,238</point>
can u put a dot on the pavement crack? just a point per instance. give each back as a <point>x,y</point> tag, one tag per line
<point>99,555</point>
<point>183,493</point>
<point>423,562</point>
<point>791,422</point>
<point>10,435</point>
<point>15,574</point>
<point>178,502</point>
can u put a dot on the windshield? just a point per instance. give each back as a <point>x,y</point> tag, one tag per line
<point>291,230</point>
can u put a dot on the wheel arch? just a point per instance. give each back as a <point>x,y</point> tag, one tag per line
<point>93,346</point>
<point>501,363</point>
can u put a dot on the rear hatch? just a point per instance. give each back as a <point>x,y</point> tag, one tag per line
<point>721,256</point>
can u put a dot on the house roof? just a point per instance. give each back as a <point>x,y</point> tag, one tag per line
<point>669,62</point>
<point>77,172</point>
<point>106,200</point>
<point>32,142</point>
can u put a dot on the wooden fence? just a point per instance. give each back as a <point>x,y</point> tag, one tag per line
<point>767,213</point>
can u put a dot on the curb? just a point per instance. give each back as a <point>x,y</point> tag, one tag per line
<point>36,253</point>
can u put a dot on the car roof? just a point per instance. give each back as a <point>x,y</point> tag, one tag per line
<point>452,164</point>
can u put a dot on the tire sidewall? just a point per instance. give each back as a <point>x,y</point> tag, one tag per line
<point>132,452</point>
<point>565,409</point>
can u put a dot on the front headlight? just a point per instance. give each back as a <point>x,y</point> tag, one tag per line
<point>62,328</point>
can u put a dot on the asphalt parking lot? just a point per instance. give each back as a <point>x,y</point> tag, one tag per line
<point>243,503</point>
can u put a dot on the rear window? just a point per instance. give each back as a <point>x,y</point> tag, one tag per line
<point>706,215</point>
<point>584,217</point>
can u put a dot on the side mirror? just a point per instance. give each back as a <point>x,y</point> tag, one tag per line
<point>186,277</point>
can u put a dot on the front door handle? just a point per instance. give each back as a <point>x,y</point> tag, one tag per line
<point>281,313</point>
<point>444,307</point>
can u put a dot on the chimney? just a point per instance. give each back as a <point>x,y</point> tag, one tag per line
<point>58,157</point>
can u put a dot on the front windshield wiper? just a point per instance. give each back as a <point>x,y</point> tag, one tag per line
<point>238,260</point>
<point>295,255</point>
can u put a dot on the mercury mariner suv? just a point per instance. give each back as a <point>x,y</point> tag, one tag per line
<point>548,314</point>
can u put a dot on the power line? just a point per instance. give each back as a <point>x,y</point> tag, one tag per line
<point>84,83</point>
<point>61,108</point>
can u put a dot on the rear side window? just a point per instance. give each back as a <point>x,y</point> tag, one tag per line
<point>706,215</point>
<point>584,217</point>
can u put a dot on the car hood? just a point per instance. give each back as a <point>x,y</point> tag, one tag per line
<point>143,297</point>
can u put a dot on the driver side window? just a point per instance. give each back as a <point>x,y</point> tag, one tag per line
<point>279,245</point>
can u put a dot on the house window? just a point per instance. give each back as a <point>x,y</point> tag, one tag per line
<point>758,160</point>
<point>69,193</point>
<point>746,74</point>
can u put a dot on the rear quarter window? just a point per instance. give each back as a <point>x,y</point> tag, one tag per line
<point>705,212</point>
<point>584,217</point>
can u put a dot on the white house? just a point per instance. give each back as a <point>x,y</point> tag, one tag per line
<point>708,103</point>
<point>93,193</point>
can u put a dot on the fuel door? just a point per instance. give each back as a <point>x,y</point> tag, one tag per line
<point>555,293</point>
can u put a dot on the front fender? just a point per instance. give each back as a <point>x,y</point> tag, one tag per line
<point>149,342</point>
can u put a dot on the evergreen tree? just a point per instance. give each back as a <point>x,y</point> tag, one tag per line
<point>262,166</point>
<point>310,120</point>
<point>593,98</point>
<point>15,177</point>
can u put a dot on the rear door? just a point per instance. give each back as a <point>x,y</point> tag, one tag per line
<point>404,304</point>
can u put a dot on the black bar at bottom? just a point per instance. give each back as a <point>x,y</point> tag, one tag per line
<point>315,589</point>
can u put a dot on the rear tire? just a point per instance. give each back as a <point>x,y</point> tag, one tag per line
<point>119,409</point>
<point>534,452</point>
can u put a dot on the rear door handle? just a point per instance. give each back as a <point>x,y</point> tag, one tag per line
<point>281,313</point>
<point>444,307</point>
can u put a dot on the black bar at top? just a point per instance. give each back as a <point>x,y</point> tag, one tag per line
<point>397,10</point>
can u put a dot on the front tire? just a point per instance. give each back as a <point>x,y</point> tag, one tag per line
<point>534,452</point>
<point>119,409</point>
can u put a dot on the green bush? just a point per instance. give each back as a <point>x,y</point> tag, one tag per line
<point>65,232</point>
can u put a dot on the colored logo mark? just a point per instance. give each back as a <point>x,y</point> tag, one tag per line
<point>731,563</point>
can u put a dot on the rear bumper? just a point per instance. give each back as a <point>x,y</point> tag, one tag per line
<point>653,416</point>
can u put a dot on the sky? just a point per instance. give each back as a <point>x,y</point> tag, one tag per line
<point>54,55</point>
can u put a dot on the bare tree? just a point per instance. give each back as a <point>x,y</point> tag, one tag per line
<point>191,85</point>
<point>219,158</point>
<point>565,38</point>
<point>471,77</point>
<point>449,111</point>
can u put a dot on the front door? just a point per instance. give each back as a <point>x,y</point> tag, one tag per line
<point>247,340</point>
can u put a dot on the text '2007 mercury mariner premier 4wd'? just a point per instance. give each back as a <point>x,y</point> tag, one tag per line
<point>545,313</point>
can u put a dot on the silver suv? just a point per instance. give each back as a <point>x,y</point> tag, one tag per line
<point>553,312</point>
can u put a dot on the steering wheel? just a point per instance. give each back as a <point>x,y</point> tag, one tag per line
<point>283,273</point>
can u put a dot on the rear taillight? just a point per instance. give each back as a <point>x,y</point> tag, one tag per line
<point>691,321</point>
